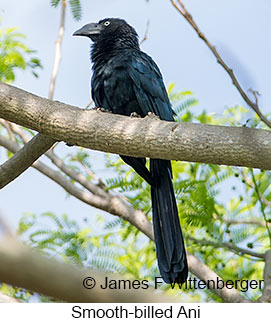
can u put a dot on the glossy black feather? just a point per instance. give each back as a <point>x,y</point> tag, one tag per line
<point>126,80</point>
<point>169,240</point>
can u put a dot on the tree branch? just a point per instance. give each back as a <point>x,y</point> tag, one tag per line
<point>112,204</point>
<point>116,206</point>
<point>24,158</point>
<point>7,125</point>
<point>23,267</point>
<point>266,296</point>
<point>252,222</point>
<point>7,299</point>
<point>147,137</point>
<point>146,33</point>
<point>204,273</point>
<point>261,205</point>
<point>58,51</point>
<point>250,183</point>
<point>58,162</point>
<point>4,227</point>
<point>254,105</point>
<point>227,245</point>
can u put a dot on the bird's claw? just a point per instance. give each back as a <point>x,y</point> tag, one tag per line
<point>100,109</point>
<point>152,115</point>
<point>135,115</point>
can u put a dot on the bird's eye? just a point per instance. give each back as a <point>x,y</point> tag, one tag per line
<point>107,23</point>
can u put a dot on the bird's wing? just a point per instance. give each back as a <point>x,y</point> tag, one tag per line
<point>112,88</point>
<point>98,92</point>
<point>149,87</point>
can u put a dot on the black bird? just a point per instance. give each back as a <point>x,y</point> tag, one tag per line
<point>126,80</point>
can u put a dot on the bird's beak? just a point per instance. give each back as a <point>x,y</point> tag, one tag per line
<point>88,30</point>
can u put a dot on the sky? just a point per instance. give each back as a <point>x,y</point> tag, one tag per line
<point>240,30</point>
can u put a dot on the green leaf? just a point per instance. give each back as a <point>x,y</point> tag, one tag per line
<point>76,9</point>
<point>55,3</point>
<point>15,55</point>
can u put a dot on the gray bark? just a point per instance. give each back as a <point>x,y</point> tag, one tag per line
<point>24,158</point>
<point>21,266</point>
<point>150,137</point>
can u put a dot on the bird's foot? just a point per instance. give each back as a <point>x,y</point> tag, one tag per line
<point>135,115</point>
<point>152,115</point>
<point>100,109</point>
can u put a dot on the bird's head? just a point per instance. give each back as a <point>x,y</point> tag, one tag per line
<point>110,30</point>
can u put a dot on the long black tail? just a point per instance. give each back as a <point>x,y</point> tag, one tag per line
<point>168,236</point>
<point>139,165</point>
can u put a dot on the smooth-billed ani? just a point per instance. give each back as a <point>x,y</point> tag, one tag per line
<point>126,80</point>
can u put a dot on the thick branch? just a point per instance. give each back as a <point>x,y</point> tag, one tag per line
<point>266,296</point>
<point>204,273</point>
<point>112,204</point>
<point>24,158</point>
<point>76,176</point>
<point>148,137</point>
<point>29,269</point>
<point>7,299</point>
<point>115,206</point>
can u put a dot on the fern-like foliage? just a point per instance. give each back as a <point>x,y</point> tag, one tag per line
<point>15,55</point>
<point>76,9</point>
<point>55,3</point>
<point>75,6</point>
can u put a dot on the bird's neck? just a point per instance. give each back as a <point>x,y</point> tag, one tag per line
<point>103,51</point>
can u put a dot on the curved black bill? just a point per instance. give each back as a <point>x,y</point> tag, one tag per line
<point>88,30</point>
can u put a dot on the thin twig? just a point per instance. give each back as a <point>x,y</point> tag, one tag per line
<point>250,183</point>
<point>261,204</point>
<point>250,222</point>
<point>91,102</point>
<point>57,161</point>
<point>58,50</point>
<point>7,125</point>
<point>146,33</point>
<point>254,105</point>
<point>93,175</point>
<point>227,245</point>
